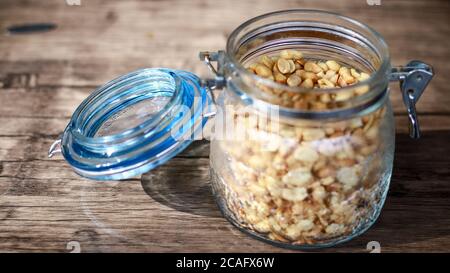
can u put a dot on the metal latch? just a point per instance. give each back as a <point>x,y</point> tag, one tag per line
<point>218,82</point>
<point>413,78</point>
<point>208,57</point>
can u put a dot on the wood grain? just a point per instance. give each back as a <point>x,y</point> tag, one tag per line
<point>43,77</point>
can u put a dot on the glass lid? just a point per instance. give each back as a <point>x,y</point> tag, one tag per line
<point>135,123</point>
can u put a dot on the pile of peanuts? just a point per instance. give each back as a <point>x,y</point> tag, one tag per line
<point>304,182</point>
<point>291,69</point>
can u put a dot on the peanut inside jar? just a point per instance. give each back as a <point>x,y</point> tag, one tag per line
<point>291,69</point>
<point>303,182</point>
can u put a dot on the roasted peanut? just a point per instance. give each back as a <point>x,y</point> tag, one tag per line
<point>329,74</point>
<point>363,76</point>
<point>263,71</point>
<point>307,83</point>
<point>267,61</point>
<point>354,73</point>
<point>312,67</point>
<point>307,75</point>
<point>294,80</point>
<point>280,78</point>
<point>333,65</point>
<point>324,83</point>
<point>284,66</point>
<point>323,65</point>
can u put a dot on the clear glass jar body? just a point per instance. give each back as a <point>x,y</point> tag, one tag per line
<point>305,176</point>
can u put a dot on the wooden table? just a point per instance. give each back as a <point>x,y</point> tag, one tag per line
<point>44,205</point>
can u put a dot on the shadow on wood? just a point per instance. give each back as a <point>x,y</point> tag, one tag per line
<point>183,182</point>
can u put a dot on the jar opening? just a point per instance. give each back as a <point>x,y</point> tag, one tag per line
<point>319,35</point>
<point>126,105</point>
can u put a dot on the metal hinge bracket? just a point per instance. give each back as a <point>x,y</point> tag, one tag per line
<point>413,78</point>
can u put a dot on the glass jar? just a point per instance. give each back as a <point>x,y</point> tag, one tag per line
<point>304,167</point>
<point>292,166</point>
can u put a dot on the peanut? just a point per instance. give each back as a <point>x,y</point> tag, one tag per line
<point>280,78</point>
<point>267,61</point>
<point>307,83</point>
<point>312,67</point>
<point>294,194</point>
<point>294,80</point>
<point>324,83</point>
<point>323,65</point>
<point>263,71</point>
<point>298,177</point>
<point>284,66</point>
<point>333,65</point>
